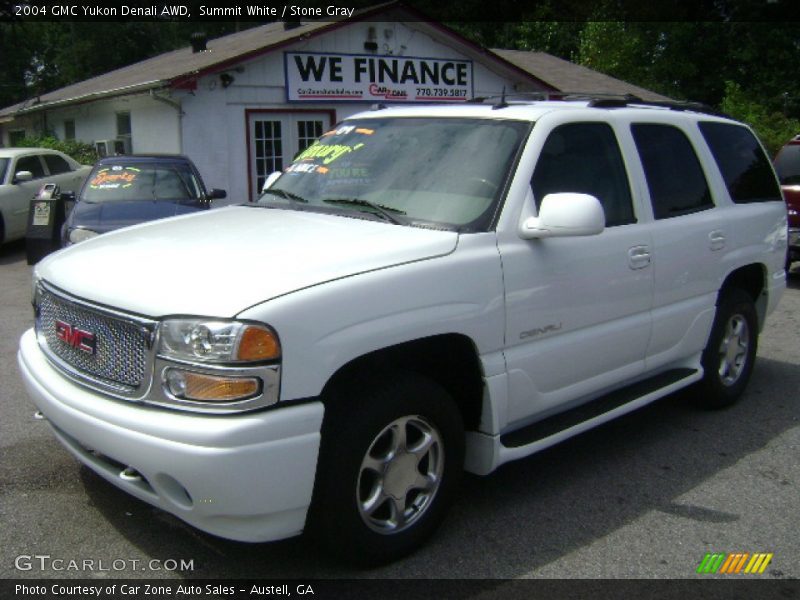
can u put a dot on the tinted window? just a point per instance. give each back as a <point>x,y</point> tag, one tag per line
<point>585,158</point>
<point>123,124</point>
<point>15,137</point>
<point>3,167</point>
<point>32,164</point>
<point>674,176</point>
<point>742,162</point>
<point>56,164</point>
<point>787,164</point>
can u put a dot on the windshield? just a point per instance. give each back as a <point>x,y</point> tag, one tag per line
<point>787,164</point>
<point>146,181</point>
<point>3,167</point>
<point>416,171</point>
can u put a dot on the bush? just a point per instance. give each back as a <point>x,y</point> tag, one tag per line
<point>80,151</point>
<point>772,127</point>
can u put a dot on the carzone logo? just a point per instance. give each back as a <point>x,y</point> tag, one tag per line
<point>734,563</point>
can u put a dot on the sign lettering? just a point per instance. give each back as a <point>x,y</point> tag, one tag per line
<point>312,77</point>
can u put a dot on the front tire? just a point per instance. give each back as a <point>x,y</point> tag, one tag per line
<point>391,455</point>
<point>731,350</point>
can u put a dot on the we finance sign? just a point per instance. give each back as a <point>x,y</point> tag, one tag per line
<point>317,77</point>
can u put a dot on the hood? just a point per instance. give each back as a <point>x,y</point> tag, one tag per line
<point>792,195</point>
<point>108,216</point>
<point>220,262</point>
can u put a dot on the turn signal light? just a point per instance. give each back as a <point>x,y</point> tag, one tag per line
<point>200,387</point>
<point>258,344</point>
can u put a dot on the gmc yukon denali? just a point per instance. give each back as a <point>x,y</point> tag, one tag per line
<point>424,290</point>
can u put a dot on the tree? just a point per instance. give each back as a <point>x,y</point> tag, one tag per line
<point>773,127</point>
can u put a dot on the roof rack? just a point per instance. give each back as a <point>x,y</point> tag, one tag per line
<point>600,100</point>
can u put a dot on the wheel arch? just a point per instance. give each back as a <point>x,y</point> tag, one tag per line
<point>751,279</point>
<point>451,360</point>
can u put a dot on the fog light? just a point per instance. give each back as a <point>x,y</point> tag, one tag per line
<point>202,387</point>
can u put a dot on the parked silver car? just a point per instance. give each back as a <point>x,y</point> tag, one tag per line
<point>22,172</point>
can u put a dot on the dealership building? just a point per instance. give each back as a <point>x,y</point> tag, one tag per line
<point>243,105</point>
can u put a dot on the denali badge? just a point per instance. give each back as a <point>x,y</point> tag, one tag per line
<point>77,338</point>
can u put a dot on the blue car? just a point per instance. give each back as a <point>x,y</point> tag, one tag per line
<point>126,190</point>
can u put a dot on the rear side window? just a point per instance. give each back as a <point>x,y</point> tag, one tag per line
<point>56,164</point>
<point>787,164</point>
<point>742,162</point>
<point>673,172</point>
<point>585,158</point>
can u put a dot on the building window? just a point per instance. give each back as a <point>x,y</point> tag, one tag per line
<point>124,131</point>
<point>69,129</point>
<point>15,136</point>
<point>276,137</point>
<point>123,124</point>
<point>269,151</point>
<point>307,133</point>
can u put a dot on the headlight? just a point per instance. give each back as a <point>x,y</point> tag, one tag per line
<point>218,341</point>
<point>77,236</point>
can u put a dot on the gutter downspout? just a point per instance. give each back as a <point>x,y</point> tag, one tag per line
<point>177,107</point>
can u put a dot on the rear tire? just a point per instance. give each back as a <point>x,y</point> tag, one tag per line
<point>391,455</point>
<point>731,350</point>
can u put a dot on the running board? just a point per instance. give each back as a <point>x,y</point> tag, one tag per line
<point>548,432</point>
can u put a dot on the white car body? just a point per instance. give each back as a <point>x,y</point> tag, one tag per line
<point>16,195</point>
<point>555,322</point>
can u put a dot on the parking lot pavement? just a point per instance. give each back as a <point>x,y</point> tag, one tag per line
<point>646,496</point>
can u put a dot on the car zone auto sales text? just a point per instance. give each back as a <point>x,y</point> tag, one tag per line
<point>169,10</point>
<point>139,590</point>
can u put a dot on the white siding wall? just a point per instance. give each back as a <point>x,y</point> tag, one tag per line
<point>212,129</point>
<point>155,126</point>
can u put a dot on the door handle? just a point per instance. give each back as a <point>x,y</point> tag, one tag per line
<point>716,240</point>
<point>639,257</point>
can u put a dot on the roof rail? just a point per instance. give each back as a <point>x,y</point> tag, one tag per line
<point>600,100</point>
<point>698,107</point>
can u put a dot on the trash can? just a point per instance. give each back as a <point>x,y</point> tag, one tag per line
<point>45,218</point>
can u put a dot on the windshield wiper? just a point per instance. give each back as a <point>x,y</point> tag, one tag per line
<point>284,194</point>
<point>387,212</point>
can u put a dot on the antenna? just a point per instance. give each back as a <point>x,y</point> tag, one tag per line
<point>502,103</point>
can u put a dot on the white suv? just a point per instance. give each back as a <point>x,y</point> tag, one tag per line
<point>424,290</point>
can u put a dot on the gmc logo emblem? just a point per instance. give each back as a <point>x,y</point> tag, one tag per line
<point>77,338</point>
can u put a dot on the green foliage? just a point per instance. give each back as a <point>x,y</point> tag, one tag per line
<point>746,65</point>
<point>38,57</point>
<point>772,127</point>
<point>80,151</point>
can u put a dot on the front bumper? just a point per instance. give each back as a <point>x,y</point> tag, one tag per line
<point>244,477</point>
